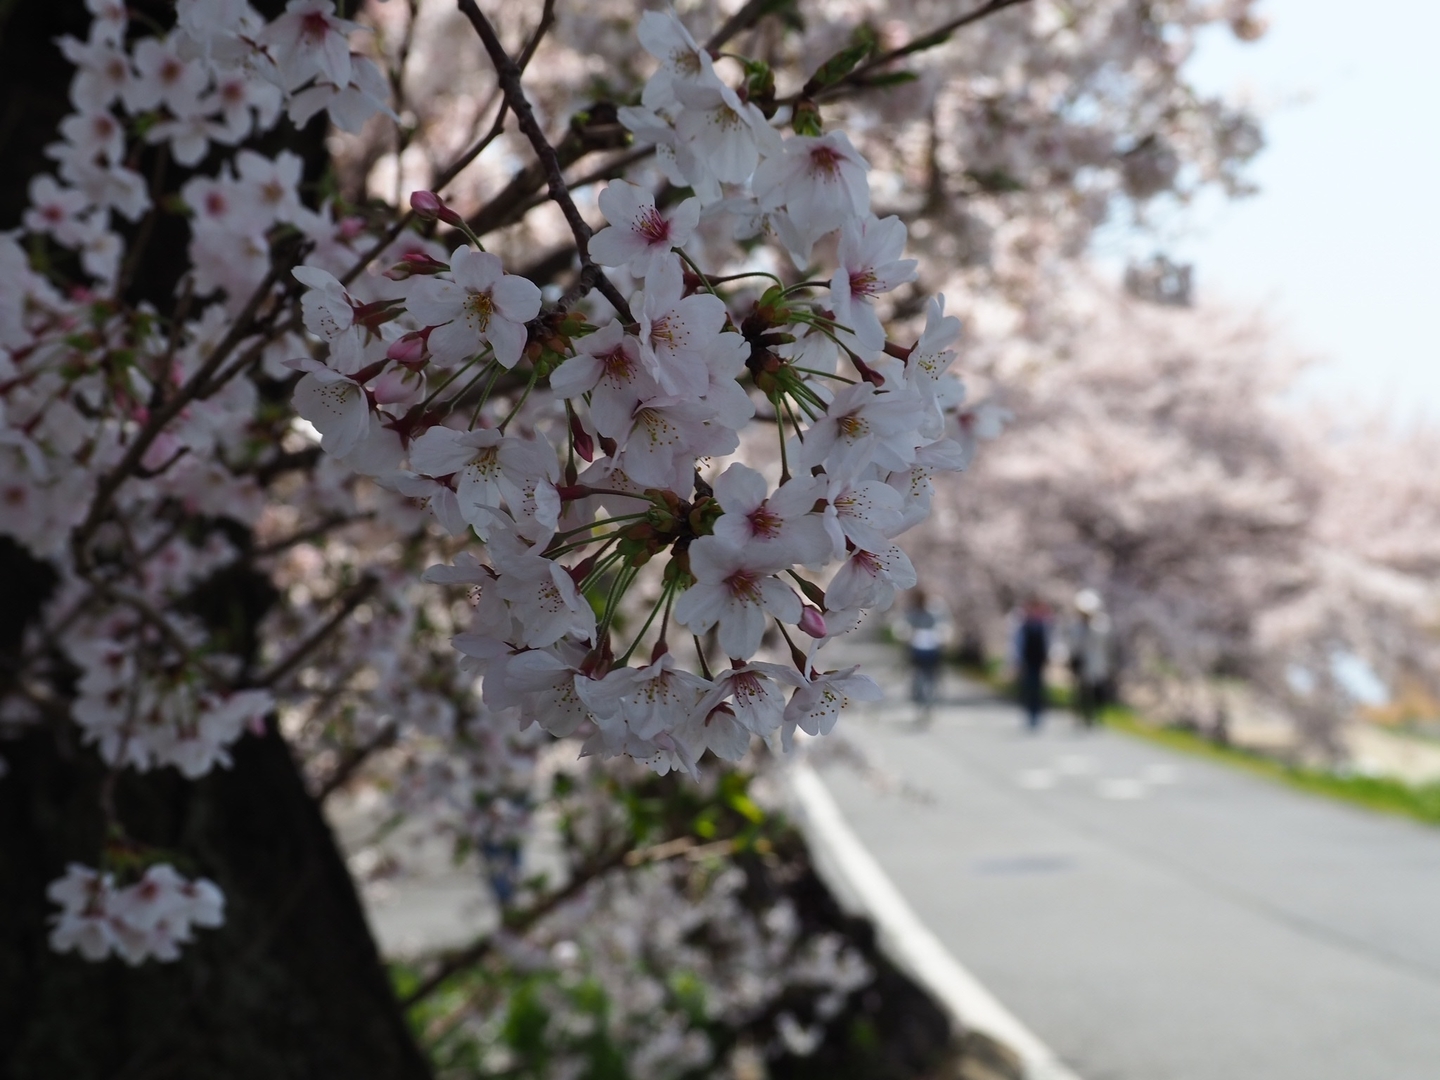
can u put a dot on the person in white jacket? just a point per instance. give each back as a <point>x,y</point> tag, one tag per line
<point>1091,646</point>
<point>925,630</point>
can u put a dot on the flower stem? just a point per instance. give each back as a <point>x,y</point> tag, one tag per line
<point>662,599</point>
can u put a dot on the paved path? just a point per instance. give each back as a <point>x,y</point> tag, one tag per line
<point>1150,916</point>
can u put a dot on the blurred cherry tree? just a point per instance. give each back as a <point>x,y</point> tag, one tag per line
<point>1158,454</point>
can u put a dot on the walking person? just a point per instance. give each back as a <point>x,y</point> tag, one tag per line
<point>1032,652</point>
<point>925,630</point>
<point>1091,655</point>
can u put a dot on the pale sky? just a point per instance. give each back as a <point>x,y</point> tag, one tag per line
<point>1342,241</point>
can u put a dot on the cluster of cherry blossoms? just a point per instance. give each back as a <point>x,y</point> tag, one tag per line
<point>705,469</point>
<point>637,930</point>
<point>152,917</point>
<point>601,469</point>
<point>221,75</point>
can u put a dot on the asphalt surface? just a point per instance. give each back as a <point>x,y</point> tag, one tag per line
<point>1148,915</point>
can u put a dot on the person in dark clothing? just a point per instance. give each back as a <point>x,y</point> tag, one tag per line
<point>1032,652</point>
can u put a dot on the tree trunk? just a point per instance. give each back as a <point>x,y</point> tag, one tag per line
<point>290,986</point>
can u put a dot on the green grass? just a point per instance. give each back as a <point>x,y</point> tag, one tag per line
<point>1420,802</point>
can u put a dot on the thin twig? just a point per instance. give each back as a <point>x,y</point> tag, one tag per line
<point>508,73</point>
<point>741,21</point>
<point>397,92</point>
<point>616,166</point>
<point>251,355</point>
<point>352,761</point>
<point>110,483</point>
<point>147,226</point>
<point>518,921</point>
<point>547,19</point>
<point>356,595</point>
<point>172,636</point>
<point>320,528</point>
<point>928,40</point>
<point>456,167</point>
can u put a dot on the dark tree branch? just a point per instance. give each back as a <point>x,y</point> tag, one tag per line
<point>356,595</point>
<point>519,921</point>
<point>354,758</point>
<point>508,72</point>
<point>750,14</point>
<point>194,387</point>
<point>312,532</point>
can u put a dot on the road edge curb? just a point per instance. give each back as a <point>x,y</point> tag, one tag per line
<point>908,941</point>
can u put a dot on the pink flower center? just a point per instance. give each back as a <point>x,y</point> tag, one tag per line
<point>314,26</point>
<point>825,160</point>
<point>661,332</point>
<point>617,365</point>
<point>867,561</point>
<point>657,429</point>
<point>747,687</point>
<point>764,522</point>
<point>744,585</point>
<point>653,228</point>
<point>862,283</point>
<point>686,62</point>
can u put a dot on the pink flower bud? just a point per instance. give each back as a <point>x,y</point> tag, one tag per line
<point>414,262</point>
<point>812,622</point>
<point>428,207</point>
<point>410,349</point>
<point>426,204</point>
<point>580,438</point>
<point>395,386</point>
<point>351,227</point>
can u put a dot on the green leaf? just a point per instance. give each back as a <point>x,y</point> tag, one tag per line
<point>806,120</point>
<point>892,78</point>
<point>862,44</point>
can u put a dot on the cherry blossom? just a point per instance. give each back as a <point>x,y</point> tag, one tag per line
<point>336,404</point>
<point>480,305</point>
<point>57,211</point>
<point>735,588</point>
<point>868,266</point>
<point>821,182</point>
<point>781,525</point>
<point>307,41</point>
<point>607,366</point>
<point>676,330</point>
<point>817,705</point>
<point>639,235</point>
